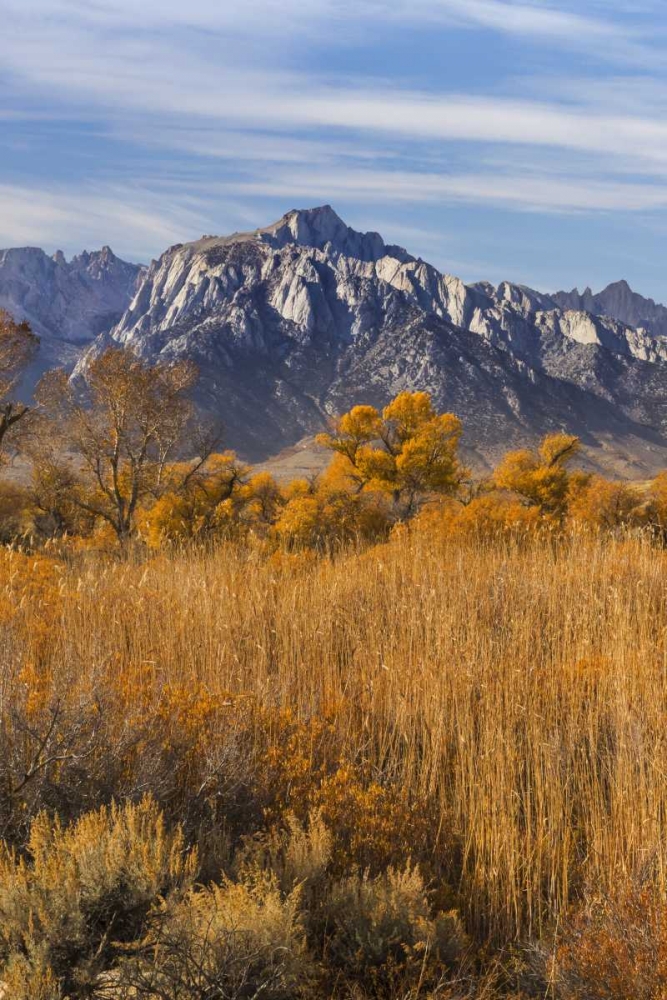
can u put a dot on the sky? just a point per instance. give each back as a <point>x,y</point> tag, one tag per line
<point>521,140</point>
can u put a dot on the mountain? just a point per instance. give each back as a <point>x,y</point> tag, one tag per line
<point>291,323</point>
<point>67,303</point>
<point>621,303</point>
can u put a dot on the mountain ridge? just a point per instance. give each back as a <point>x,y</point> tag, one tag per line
<point>295,321</point>
<point>620,302</point>
<point>72,300</point>
<point>67,303</point>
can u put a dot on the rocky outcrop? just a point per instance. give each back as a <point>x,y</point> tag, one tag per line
<point>620,303</point>
<point>293,322</point>
<point>67,303</point>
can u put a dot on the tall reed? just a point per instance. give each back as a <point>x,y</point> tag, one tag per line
<point>518,688</point>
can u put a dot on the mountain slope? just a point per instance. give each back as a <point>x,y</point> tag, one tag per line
<point>619,302</point>
<point>294,322</point>
<point>67,303</point>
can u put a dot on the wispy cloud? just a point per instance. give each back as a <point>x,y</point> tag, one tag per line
<point>564,28</point>
<point>519,190</point>
<point>214,140</point>
<point>184,90</point>
<point>215,108</point>
<point>133,220</point>
<point>190,92</point>
<point>567,25</point>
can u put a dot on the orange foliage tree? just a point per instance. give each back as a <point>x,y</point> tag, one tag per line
<point>407,451</point>
<point>540,478</point>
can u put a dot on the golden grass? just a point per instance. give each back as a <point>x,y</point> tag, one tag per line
<point>520,690</point>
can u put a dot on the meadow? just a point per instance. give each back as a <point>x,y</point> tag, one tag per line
<point>479,718</point>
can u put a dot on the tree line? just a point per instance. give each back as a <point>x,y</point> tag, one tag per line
<point>121,453</point>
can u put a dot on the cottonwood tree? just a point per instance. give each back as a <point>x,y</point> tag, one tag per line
<point>193,506</point>
<point>408,450</point>
<point>18,345</point>
<point>604,503</point>
<point>541,478</point>
<point>220,499</point>
<point>124,427</point>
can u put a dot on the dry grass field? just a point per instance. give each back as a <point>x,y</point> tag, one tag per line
<point>493,711</point>
<point>392,731</point>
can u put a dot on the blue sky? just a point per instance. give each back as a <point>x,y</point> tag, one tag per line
<point>498,139</point>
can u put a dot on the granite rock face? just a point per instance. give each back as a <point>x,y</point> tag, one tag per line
<point>620,303</point>
<point>67,303</point>
<point>291,323</point>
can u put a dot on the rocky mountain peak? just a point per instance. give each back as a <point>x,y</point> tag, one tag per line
<point>619,302</point>
<point>309,227</point>
<point>323,228</point>
<point>71,301</point>
<point>296,321</point>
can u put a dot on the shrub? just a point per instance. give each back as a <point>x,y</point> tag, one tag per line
<point>305,769</point>
<point>14,513</point>
<point>329,517</point>
<point>373,825</point>
<point>382,932</point>
<point>492,515</point>
<point>236,940</point>
<point>297,854</point>
<point>80,890</point>
<point>30,976</point>
<point>605,505</point>
<point>615,948</point>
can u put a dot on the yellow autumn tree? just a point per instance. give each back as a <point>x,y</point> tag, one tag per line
<point>603,503</point>
<point>541,477</point>
<point>490,515</point>
<point>125,425</point>
<point>408,451</point>
<point>191,505</point>
<point>323,520</point>
<point>221,499</point>
<point>253,508</point>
